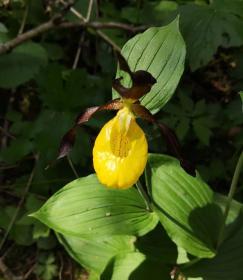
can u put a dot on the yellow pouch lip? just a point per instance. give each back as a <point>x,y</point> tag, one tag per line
<point>120,169</point>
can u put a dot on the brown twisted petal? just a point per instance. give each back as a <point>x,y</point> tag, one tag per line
<point>135,92</point>
<point>170,137</point>
<point>68,139</point>
<point>123,63</point>
<point>142,81</point>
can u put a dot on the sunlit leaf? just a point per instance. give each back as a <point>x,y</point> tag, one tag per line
<point>85,208</point>
<point>95,253</point>
<point>135,265</point>
<point>160,51</point>
<point>185,206</point>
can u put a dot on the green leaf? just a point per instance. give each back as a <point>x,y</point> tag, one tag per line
<point>46,243</point>
<point>186,102</point>
<point>93,276</point>
<point>21,65</point>
<point>22,235</point>
<point>95,253</point>
<point>46,268</point>
<point>130,14</point>
<point>117,258</point>
<point>40,230</point>
<point>63,90</point>
<point>200,108</point>
<point>235,214</point>
<point>166,5</point>
<point>157,245</point>
<point>122,266</point>
<point>157,12</point>
<point>160,51</point>
<point>227,264</point>
<point>51,87</point>
<point>16,150</point>
<point>183,127</point>
<point>54,51</point>
<point>206,27</point>
<point>33,203</point>
<point>202,131</point>
<point>185,206</point>
<point>135,265</point>
<point>85,208</point>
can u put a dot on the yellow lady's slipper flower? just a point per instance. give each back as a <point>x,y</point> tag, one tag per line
<point>120,151</point>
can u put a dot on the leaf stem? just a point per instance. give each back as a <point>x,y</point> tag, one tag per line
<point>23,22</point>
<point>144,196</point>
<point>230,196</point>
<point>72,166</point>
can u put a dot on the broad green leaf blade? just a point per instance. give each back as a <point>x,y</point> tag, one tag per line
<point>134,266</point>
<point>95,253</point>
<point>157,245</point>
<point>21,65</point>
<point>160,51</point>
<point>93,276</point>
<point>185,206</point>
<point>122,266</point>
<point>85,208</point>
<point>207,27</point>
<point>235,207</point>
<point>110,256</point>
<point>227,264</point>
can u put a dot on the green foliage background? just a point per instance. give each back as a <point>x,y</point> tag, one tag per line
<point>41,93</point>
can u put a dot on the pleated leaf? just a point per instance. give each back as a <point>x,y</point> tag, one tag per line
<point>134,266</point>
<point>117,257</point>
<point>185,206</point>
<point>160,51</point>
<point>95,253</point>
<point>227,264</point>
<point>157,245</point>
<point>86,208</point>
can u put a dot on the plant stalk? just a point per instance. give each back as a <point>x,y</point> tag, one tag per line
<point>144,196</point>
<point>72,166</point>
<point>232,191</point>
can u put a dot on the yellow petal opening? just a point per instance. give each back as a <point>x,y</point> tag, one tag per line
<point>120,151</point>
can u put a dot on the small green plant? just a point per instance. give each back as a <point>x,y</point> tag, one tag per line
<point>173,225</point>
<point>46,268</point>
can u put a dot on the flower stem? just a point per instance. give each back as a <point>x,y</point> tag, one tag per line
<point>72,166</point>
<point>144,196</point>
<point>230,196</point>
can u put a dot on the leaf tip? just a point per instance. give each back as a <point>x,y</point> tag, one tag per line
<point>176,21</point>
<point>34,215</point>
